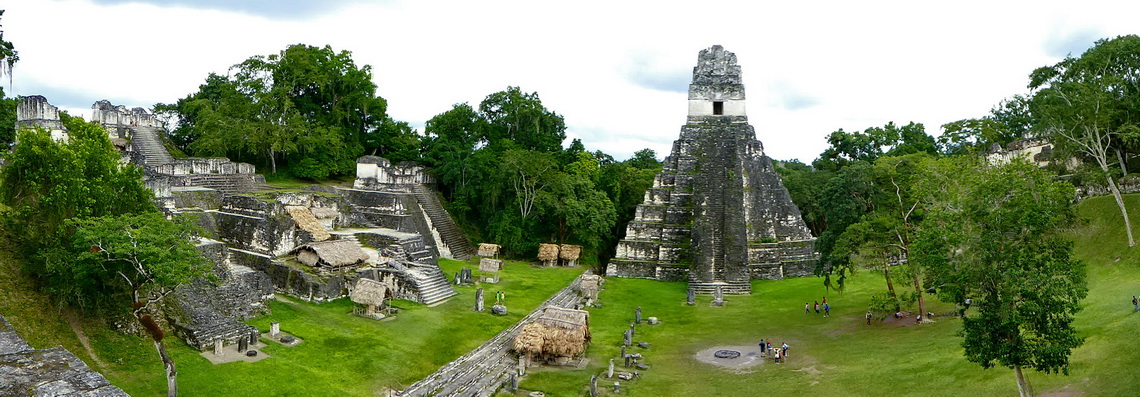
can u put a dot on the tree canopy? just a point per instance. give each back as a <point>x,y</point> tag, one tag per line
<point>309,109</point>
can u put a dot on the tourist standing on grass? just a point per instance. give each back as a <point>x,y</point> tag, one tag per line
<point>868,317</point>
<point>784,350</point>
<point>807,308</point>
<point>1135,304</point>
<point>826,309</point>
<point>763,348</point>
<point>777,357</point>
<point>825,300</point>
<point>816,307</point>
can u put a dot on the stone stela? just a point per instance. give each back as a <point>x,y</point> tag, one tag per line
<point>717,215</point>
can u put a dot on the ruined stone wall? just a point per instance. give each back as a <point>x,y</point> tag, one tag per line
<point>103,112</point>
<point>35,111</point>
<point>377,173</point>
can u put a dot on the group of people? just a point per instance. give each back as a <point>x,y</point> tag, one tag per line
<point>826,308</point>
<point>778,354</point>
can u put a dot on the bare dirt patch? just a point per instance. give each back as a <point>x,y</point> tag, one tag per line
<point>749,357</point>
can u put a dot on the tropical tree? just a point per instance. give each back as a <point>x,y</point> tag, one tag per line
<point>128,261</point>
<point>8,56</point>
<point>47,182</point>
<point>310,109</point>
<point>1093,102</point>
<point>997,238</point>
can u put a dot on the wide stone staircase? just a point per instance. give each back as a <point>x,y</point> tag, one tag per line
<point>454,238</point>
<point>482,371</point>
<point>434,286</point>
<point>228,184</point>
<point>148,147</point>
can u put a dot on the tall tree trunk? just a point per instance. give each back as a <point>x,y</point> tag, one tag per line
<point>1123,163</point>
<point>1023,388</point>
<point>1123,211</point>
<point>891,287</point>
<point>273,161</point>
<point>168,365</point>
<point>921,300</point>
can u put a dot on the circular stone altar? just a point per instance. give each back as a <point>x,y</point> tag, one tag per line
<point>734,358</point>
<point>726,354</point>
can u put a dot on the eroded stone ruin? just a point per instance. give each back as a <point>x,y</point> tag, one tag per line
<point>717,215</point>
<point>25,371</point>
<point>313,244</point>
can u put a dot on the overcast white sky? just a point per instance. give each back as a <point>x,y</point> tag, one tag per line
<point>618,71</point>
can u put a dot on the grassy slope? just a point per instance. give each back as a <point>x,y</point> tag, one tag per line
<point>842,356</point>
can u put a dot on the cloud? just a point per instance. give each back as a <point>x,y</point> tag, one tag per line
<point>1072,43</point>
<point>270,9</point>
<point>649,71</point>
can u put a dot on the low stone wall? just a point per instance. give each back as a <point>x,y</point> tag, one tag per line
<point>377,173</point>
<point>213,165</point>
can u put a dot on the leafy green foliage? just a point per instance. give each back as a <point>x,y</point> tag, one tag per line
<point>872,143</point>
<point>7,122</point>
<point>1008,121</point>
<point>47,182</point>
<point>8,55</point>
<point>1001,242</point>
<point>505,174</point>
<point>310,108</point>
<point>114,260</point>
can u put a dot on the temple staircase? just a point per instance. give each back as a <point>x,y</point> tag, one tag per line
<point>442,222</point>
<point>149,147</point>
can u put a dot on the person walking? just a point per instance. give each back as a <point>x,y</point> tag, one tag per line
<point>763,348</point>
<point>807,308</point>
<point>816,307</point>
<point>868,317</point>
<point>1135,304</point>
<point>826,310</point>
<point>784,350</point>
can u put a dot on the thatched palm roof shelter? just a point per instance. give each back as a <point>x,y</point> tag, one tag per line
<point>548,254</point>
<point>308,222</point>
<point>331,254</point>
<point>488,250</point>
<point>569,254</point>
<point>371,294</point>
<point>557,335</point>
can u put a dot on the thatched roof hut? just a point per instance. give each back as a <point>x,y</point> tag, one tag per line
<point>488,250</point>
<point>569,254</point>
<point>563,333</point>
<point>370,292</point>
<point>307,222</point>
<point>331,254</point>
<point>548,254</point>
<point>372,295</point>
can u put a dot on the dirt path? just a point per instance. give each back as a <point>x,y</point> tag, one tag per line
<point>74,322</point>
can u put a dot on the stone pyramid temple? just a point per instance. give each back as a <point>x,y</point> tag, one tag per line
<point>717,214</point>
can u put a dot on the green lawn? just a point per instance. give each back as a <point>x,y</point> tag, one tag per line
<point>342,355</point>
<point>841,356</point>
<point>837,356</point>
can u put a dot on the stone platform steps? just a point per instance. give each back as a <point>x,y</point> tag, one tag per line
<point>434,287</point>
<point>150,148</point>
<point>227,184</point>
<point>728,288</point>
<point>482,371</point>
<point>454,238</point>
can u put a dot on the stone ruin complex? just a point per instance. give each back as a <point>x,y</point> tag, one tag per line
<point>389,227</point>
<point>717,214</point>
<point>25,371</point>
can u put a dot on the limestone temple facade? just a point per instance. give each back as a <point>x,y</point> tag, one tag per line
<point>717,214</point>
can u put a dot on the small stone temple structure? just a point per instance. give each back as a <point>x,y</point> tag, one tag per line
<point>556,337</point>
<point>717,214</point>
